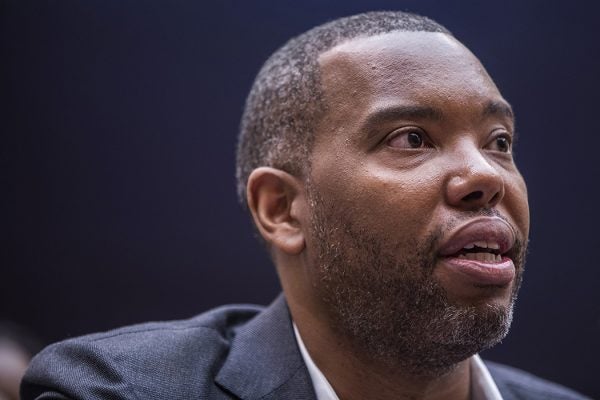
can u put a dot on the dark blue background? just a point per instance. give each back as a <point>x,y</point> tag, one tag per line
<point>119,121</point>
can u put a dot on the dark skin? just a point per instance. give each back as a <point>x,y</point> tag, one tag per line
<point>415,131</point>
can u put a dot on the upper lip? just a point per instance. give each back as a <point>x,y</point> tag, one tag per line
<point>488,229</point>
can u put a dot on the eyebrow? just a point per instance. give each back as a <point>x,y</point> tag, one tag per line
<point>499,108</point>
<point>385,114</point>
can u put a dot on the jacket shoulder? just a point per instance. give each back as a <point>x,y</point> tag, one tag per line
<point>516,384</point>
<point>157,360</point>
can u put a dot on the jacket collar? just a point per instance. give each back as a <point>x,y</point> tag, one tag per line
<point>264,361</point>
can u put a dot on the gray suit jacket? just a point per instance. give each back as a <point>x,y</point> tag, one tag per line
<point>232,352</point>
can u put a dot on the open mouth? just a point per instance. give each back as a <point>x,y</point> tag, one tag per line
<point>484,240</point>
<point>480,251</point>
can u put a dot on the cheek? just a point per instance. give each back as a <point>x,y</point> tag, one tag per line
<point>391,201</point>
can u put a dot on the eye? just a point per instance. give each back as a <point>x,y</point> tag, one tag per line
<point>501,143</point>
<point>409,138</point>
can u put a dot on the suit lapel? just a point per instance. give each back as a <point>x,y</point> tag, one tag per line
<point>264,361</point>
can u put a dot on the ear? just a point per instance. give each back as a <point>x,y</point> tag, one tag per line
<point>276,201</point>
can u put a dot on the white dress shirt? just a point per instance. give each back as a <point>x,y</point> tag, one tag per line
<point>483,386</point>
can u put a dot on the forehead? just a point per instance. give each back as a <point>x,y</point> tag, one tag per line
<point>403,67</point>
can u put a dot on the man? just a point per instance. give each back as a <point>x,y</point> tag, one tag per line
<point>375,157</point>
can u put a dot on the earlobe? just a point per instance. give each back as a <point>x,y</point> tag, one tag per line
<point>274,198</point>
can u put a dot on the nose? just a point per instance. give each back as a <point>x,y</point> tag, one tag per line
<point>474,183</point>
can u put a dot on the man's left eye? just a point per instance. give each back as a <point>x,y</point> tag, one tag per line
<point>501,143</point>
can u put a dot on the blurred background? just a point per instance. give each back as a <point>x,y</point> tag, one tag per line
<point>118,124</point>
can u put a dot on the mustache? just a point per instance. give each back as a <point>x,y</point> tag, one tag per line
<point>465,216</point>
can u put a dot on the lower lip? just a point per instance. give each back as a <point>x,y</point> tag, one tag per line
<point>483,273</point>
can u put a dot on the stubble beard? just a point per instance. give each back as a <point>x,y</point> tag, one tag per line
<point>391,311</point>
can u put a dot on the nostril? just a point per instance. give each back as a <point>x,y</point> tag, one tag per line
<point>495,198</point>
<point>476,195</point>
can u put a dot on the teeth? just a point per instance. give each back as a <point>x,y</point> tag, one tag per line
<point>483,245</point>
<point>484,257</point>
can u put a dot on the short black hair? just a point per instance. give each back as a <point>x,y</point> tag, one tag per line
<point>285,102</point>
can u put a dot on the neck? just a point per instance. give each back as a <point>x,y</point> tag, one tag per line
<point>357,375</point>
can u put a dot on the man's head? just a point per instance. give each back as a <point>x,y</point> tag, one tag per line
<point>404,231</point>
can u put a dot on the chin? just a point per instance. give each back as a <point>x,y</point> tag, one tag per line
<point>483,297</point>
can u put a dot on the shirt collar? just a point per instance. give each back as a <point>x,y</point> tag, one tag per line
<point>323,388</point>
<point>483,386</point>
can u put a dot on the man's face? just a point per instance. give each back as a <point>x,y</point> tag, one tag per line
<point>419,214</point>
